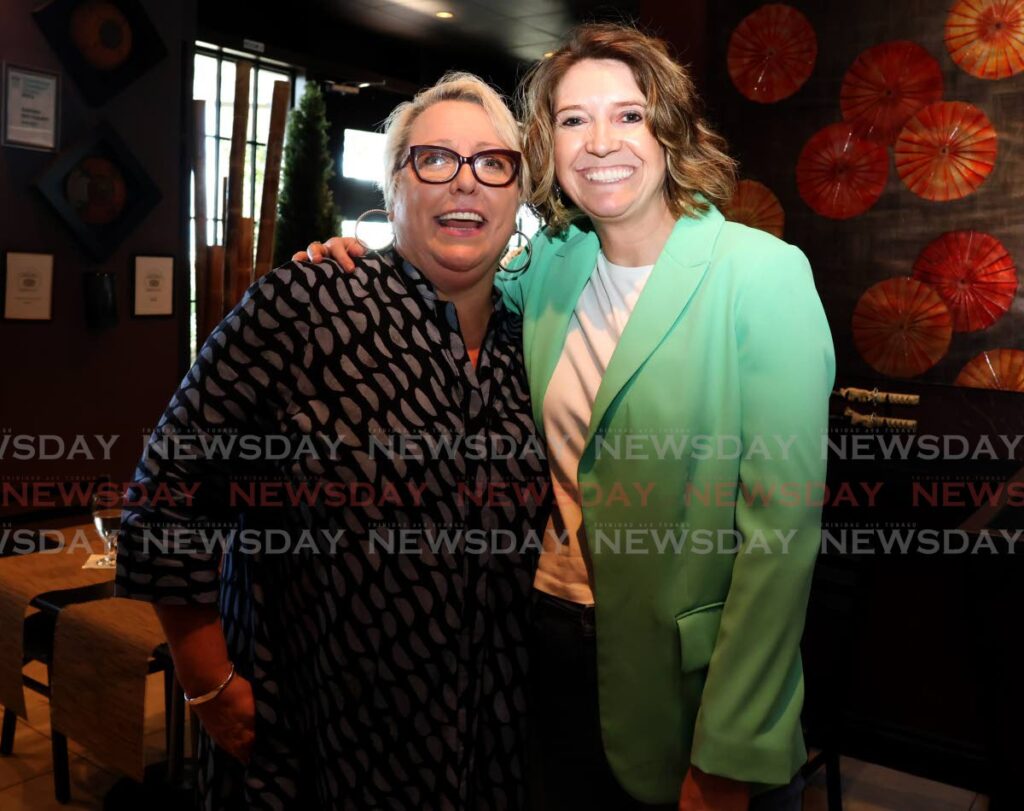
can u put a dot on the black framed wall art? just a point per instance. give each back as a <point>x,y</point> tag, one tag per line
<point>100,190</point>
<point>105,45</point>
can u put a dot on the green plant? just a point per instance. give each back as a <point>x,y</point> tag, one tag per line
<point>305,206</point>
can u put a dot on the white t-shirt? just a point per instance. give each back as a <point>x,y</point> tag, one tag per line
<point>597,323</point>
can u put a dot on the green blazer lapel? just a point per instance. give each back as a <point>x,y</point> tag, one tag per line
<point>679,269</point>
<point>557,297</point>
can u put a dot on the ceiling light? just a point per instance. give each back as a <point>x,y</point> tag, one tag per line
<point>444,15</point>
<point>548,54</point>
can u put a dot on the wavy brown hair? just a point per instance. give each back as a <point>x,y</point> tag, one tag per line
<point>695,155</point>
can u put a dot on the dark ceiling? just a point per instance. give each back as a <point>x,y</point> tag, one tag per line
<point>402,39</point>
<point>523,29</point>
<point>402,42</point>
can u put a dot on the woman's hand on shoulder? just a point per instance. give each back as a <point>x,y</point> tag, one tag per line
<point>340,249</point>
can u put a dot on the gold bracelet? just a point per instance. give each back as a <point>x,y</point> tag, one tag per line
<point>216,691</point>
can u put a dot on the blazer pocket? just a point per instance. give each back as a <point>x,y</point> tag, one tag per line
<point>698,630</point>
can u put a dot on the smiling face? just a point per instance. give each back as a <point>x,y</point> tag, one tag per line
<point>606,158</point>
<point>454,232</point>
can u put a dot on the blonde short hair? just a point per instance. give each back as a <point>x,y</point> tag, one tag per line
<point>453,86</point>
<point>695,157</point>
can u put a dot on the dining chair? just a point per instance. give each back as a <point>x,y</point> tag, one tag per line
<point>38,647</point>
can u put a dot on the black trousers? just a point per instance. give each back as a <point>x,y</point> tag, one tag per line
<point>568,766</point>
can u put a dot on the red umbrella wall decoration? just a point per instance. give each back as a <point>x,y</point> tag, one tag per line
<point>901,327</point>
<point>946,151</point>
<point>772,53</point>
<point>839,174</point>
<point>986,37</point>
<point>995,369</point>
<point>754,204</point>
<point>973,273</point>
<point>886,85</point>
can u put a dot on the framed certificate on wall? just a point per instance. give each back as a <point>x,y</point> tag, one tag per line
<point>31,108</point>
<point>28,287</point>
<point>153,286</point>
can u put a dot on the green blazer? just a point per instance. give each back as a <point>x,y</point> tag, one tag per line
<point>721,377</point>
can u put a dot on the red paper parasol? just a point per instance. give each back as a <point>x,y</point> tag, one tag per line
<point>771,53</point>
<point>995,369</point>
<point>946,151</point>
<point>754,204</point>
<point>886,85</point>
<point>973,273</point>
<point>839,174</point>
<point>901,327</point>
<point>986,37</point>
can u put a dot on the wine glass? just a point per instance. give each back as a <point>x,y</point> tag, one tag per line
<point>106,516</point>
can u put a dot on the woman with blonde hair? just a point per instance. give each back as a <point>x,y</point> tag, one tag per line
<point>680,366</point>
<point>363,645</point>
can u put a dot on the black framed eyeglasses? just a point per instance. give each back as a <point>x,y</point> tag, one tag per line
<point>438,164</point>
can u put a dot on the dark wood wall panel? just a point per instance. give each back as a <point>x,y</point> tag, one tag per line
<point>59,377</point>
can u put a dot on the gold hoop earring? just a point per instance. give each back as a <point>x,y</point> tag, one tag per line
<point>364,243</point>
<point>514,253</point>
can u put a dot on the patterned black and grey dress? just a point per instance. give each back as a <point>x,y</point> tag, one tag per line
<point>380,501</point>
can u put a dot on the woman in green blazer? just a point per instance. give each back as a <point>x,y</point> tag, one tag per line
<point>698,642</point>
<point>681,367</point>
<point>718,384</point>
<point>700,592</point>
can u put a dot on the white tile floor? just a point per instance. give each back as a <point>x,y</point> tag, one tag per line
<point>26,777</point>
